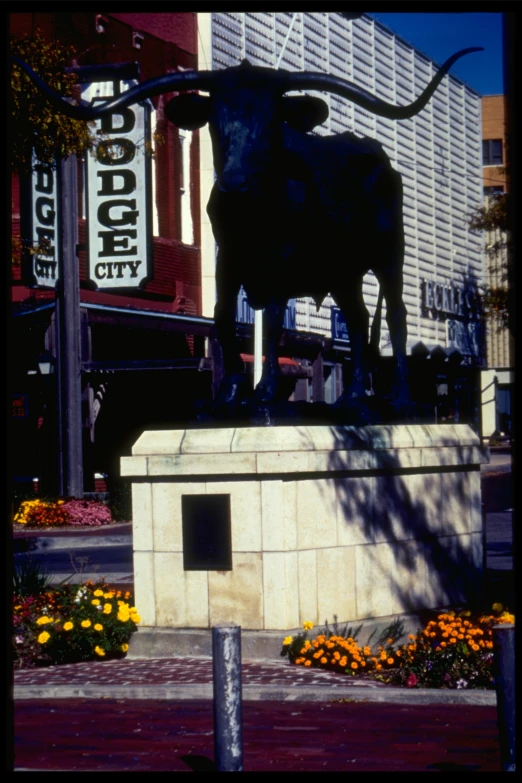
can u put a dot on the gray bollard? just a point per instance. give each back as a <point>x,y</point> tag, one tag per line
<point>504,652</point>
<point>228,724</point>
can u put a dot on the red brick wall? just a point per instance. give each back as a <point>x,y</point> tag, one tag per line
<point>169,42</point>
<point>494,127</point>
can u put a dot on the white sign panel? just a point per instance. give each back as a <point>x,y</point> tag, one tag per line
<point>465,337</point>
<point>44,217</point>
<point>118,194</point>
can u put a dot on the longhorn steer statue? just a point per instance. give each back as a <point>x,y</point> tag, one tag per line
<point>293,214</point>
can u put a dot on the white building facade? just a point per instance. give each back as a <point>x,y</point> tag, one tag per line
<point>438,154</point>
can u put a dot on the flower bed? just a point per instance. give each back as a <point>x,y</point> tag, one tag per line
<point>455,650</point>
<point>72,624</point>
<point>39,513</point>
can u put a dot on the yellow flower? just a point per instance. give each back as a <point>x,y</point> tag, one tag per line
<point>124,647</point>
<point>95,602</point>
<point>136,618</point>
<point>98,593</point>
<point>86,623</point>
<point>99,651</point>
<point>308,625</point>
<point>287,640</point>
<point>98,627</point>
<point>497,607</point>
<point>44,620</point>
<point>107,595</point>
<point>107,608</point>
<point>44,636</point>
<point>67,626</point>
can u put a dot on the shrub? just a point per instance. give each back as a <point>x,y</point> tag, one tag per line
<point>30,579</point>
<point>88,512</point>
<point>46,513</point>
<point>338,652</point>
<point>453,651</point>
<point>42,513</point>
<point>73,624</point>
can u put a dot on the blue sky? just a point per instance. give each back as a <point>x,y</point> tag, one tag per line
<point>440,35</point>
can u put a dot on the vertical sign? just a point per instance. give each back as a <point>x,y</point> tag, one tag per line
<point>118,193</point>
<point>45,251</point>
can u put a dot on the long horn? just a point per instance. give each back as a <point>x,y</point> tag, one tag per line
<point>359,96</point>
<point>184,80</point>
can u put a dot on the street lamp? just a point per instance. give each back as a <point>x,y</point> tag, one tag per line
<point>46,363</point>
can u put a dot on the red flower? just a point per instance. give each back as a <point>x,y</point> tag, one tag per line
<point>412,681</point>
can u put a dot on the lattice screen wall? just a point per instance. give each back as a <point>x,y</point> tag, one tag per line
<point>438,152</point>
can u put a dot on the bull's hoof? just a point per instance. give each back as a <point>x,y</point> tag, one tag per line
<point>233,392</point>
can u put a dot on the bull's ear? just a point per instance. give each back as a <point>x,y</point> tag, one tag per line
<point>188,111</point>
<point>302,112</point>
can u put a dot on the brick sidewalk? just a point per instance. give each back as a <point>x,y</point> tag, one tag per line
<point>147,735</point>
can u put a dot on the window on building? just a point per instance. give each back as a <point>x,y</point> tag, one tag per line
<point>493,190</point>
<point>492,152</point>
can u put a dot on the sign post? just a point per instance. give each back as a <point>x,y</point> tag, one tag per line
<point>68,342</point>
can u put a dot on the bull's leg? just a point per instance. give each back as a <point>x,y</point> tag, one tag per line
<point>396,319</point>
<point>273,317</point>
<point>234,384</point>
<point>355,314</point>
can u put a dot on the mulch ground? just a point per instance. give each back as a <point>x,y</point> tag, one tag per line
<point>140,736</point>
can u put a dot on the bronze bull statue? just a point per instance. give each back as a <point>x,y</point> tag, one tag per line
<point>293,214</point>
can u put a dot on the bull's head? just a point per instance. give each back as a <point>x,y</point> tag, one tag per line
<point>246,109</point>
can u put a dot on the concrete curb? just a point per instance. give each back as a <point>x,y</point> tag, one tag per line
<point>352,693</point>
<point>46,543</point>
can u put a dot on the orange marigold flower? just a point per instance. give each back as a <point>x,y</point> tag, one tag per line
<point>390,661</point>
<point>308,663</point>
<point>324,660</point>
<point>354,665</point>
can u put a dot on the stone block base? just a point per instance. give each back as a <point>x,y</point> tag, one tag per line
<point>348,522</point>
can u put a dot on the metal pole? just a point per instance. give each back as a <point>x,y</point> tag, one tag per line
<point>228,727</point>
<point>504,658</point>
<point>258,346</point>
<point>68,321</point>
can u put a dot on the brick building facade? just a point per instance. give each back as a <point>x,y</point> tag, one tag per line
<point>499,342</point>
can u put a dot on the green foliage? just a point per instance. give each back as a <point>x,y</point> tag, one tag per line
<point>454,650</point>
<point>120,502</point>
<point>73,623</point>
<point>494,219</point>
<point>30,579</point>
<point>35,124</point>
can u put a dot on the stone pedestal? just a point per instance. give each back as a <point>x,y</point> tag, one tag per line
<point>346,522</point>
